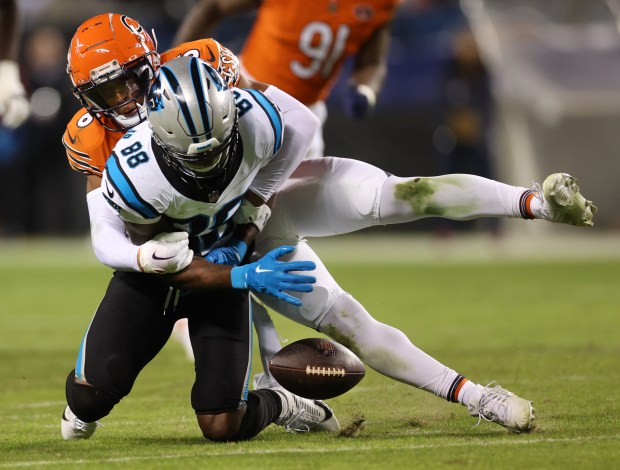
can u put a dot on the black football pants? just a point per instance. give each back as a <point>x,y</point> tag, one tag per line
<point>135,319</point>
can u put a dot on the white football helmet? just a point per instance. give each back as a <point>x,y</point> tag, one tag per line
<point>193,116</point>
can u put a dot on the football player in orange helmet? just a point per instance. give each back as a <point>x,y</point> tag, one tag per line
<point>111,63</point>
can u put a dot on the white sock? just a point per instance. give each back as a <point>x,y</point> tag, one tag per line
<point>467,390</point>
<point>268,340</point>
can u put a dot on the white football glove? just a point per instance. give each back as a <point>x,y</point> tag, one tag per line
<point>14,105</point>
<point>165,253</point>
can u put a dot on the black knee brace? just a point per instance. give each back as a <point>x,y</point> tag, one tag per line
<point>88,403</point>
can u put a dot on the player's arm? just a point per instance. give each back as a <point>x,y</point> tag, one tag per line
<point>267,275</point>
<point>250,218</point>
<point>197,275</point>
<point>368,75</point>
<point>283,156</point>
<point>206,14</point>
<point>107,231</point>
<point>113,248</point>
<point>298,126</point>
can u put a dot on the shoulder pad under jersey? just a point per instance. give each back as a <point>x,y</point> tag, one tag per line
<point>211,51</point>
<point>88,144</point>
<point>260,122</point>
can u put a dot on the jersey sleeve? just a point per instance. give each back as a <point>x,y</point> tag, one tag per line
<point>282,132</point>
<point>266,120</point>
<point>211,51</point>
<point>122,195</point>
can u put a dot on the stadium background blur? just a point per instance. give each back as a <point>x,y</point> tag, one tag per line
<point>545,98</point>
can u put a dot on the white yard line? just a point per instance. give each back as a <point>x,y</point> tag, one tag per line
<point>312,451</point>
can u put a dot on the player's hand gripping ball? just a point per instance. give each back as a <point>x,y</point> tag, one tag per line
<point>316,368</point>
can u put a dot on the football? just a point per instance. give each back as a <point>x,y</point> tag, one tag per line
<point>316,368</point>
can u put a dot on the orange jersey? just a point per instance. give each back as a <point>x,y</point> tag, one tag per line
<point>89,144</point>
<point>300,46</point>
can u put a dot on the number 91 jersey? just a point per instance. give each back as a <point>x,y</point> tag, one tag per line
<point>300,46</point>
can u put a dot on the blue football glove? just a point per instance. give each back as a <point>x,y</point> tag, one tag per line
<point>359,101</point>
<point>270,276</point>
<point>230,255</point>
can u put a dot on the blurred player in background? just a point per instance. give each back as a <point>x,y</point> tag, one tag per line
<point>348,196</point>
<point>301,48</point>
<point>463,134</point>
<point>14,106</point>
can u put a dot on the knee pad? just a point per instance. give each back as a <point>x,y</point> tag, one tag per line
<point>88,403</point>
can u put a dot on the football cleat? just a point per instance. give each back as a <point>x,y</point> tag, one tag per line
<point>563,203</point>
<point>71,427</point>
<point>304,415</point>
<point>498,405</point>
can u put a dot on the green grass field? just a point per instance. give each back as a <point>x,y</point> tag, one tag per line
<point>547,330</point>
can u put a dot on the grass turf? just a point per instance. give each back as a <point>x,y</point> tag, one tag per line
<point>546,330</point>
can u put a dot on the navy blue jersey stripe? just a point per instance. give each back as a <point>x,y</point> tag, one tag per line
<point>126,189</point>
<point>77,152</point>
<point>78,164</point>
<point>180,97</point>
<point>272,112</point>
<point>194,67</point>
<point>75,163</point>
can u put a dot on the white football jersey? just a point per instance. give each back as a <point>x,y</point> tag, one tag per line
<point>142,187</point>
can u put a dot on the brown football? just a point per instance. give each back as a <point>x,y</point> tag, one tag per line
<point>316,368</point>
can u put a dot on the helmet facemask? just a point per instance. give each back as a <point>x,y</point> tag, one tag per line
<point>194,120</point>
<point>118,93</point>
<point>203,165</point>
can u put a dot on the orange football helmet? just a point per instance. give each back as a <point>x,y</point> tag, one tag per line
<point>112,61</point>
